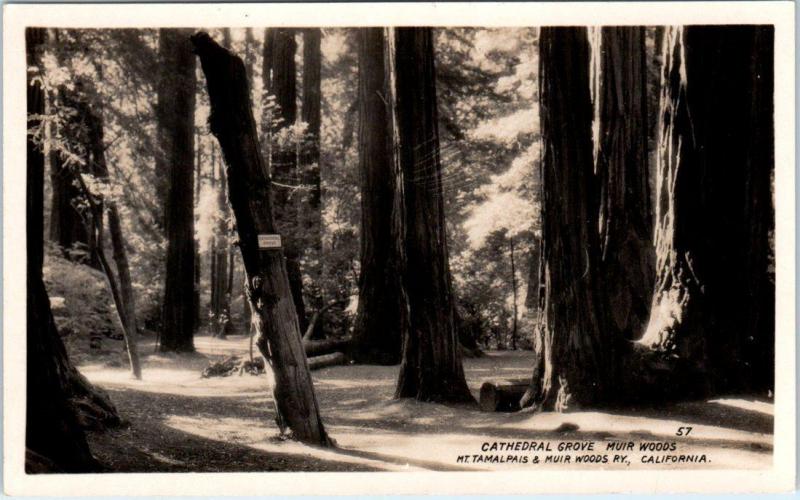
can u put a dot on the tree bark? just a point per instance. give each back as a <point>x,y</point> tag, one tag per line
<point>178,314</point>
<point>534,283</point>
<point>122,288</point>
<point>711,326</point>
<point>312,95</point>
<point>54,437</point>
<point>126,288</point>
<point>311,213</point>
<point>67,213</point>
<point>66,225</point>
<point>622,169</point>
<point>431,368</point>
<point>219,286</point>
<point>280,74</point>
<point>573,366</point>
<point>514,294</point>
<point>198,261</point>
<point>279,339</point>
<point>382,315</point>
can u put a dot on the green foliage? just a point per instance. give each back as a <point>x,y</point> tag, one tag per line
<point>341,206</point>
<point>490,158</point>
<point>487,85</point>
<point>109,72</point>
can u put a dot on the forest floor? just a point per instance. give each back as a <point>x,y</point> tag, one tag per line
<point>178,421</point>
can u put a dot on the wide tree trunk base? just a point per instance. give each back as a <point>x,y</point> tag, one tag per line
<point>448,391</point>
<point>92,406</point>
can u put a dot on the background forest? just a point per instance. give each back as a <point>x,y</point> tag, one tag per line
<point>486,86</point>
<point>465,203</point>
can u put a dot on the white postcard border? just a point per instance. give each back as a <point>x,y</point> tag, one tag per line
<point>781,477</point>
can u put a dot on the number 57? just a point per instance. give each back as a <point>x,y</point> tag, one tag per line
<point>683,431</point>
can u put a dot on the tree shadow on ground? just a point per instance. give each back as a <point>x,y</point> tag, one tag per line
<point>226,425</point>
<point>714,413</point>
<point>147,444</point>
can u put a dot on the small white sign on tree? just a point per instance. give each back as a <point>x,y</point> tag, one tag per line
<point>269,241</point>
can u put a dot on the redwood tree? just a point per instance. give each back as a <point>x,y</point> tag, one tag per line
<point>120,282</point>
<point>249,189</point>
<point>69,218</point>
<point>574,364</point>
<point>622,169</point>
<point>220,249</point>
<point>311,213</point>
<point>176,100</point>
<point>312,95</point>
<point>712,316</point>
<point>59,400</point>
<point>431,368</point>
<point>382,316</point>
<point>280,80</point>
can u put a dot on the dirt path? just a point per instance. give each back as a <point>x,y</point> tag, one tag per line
<point>181,422</point>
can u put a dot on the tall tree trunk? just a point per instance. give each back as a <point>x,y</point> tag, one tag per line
<point>67,217</point>
<point>178,314</point>
<point>198,261</point>
<point>627,262</point>
<point>229,288</point>
<point>279,338</point>
<point>122,288</point>
<point>573,366</point>
<point>382,316</point>
<point>311,214</point>
<point>221,302</point>
<point>249,62</point>
<point>312,95</point>
<point>655,65</point>
<point>126,288</point>
<point>534,283</point>
<point>249,55</point>
<point>514,293</point>
<point>55,390</point>
<point>280,75</point>
<point>67,229</point>
<point>212,260</point>
<point>431,368</point>
<point>712,315</point>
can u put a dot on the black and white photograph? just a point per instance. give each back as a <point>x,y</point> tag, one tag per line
<point>422,247</point>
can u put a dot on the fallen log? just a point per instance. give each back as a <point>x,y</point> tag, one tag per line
<point>333,359</point>
<point>327,346</point>
<point>503,395</point>
<point>234,364</point>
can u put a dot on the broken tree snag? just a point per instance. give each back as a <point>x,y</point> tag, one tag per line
<point>502,395</point>
<point>431,368</point>
<point>711,326</point>
<point>573,368</point>
<point>275,317</point>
